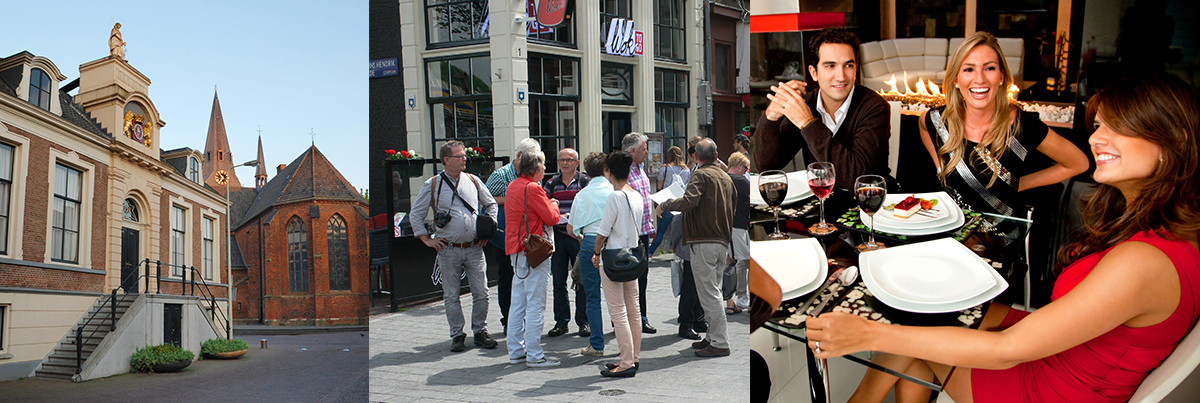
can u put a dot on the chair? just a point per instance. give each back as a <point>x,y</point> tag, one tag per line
<point>1173,370</point>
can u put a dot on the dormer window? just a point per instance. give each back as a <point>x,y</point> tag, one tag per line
<point>39,88</point>
<point>194,169</point>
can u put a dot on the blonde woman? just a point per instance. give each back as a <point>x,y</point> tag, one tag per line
<point>980,140</point>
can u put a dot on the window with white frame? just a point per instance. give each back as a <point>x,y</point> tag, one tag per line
<point>39,88</point>
<point>64,233</point>
<point>670,106</point>
<point>178,240</point>
<point>669,34</point>
<point>194,169</point>
<point>6,173</point>
<point>206,229</point>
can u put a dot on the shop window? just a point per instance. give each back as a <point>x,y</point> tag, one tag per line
<point>460,100</point>
<point>456,22</point>
<point>671,97</point>
<point>553,104</point>
<point>669,34</point>
<point>339,254</point>
<point>64,236</point>
<point>39,88</point>
<point>610,9</point>
<point>297,241</point>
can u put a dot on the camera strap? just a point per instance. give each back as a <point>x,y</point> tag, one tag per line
<point>460,198</point>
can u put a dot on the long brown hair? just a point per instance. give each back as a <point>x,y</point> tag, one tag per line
<point>1164,110</point>
<point>1002,127</point>
<point>675,156</point>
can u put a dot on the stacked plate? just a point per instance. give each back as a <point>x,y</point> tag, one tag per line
<point>798,265</point>
<point>945,216</point>
<point>797,189</point>
<point>930,277</point>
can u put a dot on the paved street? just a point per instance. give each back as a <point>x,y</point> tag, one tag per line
<point>411,359</point>
<point>295,368</point>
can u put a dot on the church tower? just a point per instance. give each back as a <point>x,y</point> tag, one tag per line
<point>218,160</point>
<point>260,176</point>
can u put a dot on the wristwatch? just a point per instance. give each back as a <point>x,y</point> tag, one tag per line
<point>596,254</point>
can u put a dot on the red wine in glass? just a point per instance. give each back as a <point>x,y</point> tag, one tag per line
<point>773,193</point>
<point>821,178</point>
<point>869,192</point>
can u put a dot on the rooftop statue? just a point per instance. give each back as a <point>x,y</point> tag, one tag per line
<point>116,45</point>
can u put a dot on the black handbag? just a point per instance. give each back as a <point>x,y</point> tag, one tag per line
<point>625,264</point>
<point>485,226</point>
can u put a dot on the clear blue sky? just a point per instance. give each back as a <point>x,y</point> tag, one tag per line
<point>289,67</point>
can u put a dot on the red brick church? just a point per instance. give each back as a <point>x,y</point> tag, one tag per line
<point>299,240</point>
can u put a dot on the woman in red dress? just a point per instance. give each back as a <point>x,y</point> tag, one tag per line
<point>1130,292</point>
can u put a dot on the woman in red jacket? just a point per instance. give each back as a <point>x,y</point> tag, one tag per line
<point>529,211</point>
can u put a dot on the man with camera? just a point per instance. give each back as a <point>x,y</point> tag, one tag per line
<point>461,205</point>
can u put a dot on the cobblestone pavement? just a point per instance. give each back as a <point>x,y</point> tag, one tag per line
<point>411,359</point>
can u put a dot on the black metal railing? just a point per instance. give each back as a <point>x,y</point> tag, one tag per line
<point>143,270</point>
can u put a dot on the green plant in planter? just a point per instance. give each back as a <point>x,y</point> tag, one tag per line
<point>144,359</point>
<point>214,346</point>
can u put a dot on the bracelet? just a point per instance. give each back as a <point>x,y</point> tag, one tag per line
<point>596,254</point>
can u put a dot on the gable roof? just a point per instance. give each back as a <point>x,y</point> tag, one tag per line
<point>309,177</point>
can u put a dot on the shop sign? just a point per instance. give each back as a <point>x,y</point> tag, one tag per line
<point>552,13</point>
<point>623,40</point>
<point>385,68</point>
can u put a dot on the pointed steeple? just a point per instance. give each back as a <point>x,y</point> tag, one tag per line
<point>260,176</point>
<point>217,157</point>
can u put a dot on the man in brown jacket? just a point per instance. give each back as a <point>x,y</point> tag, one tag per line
<point>707,205</point>
<point>841,122</point>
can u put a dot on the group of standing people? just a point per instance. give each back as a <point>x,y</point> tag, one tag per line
<point>605,206</point>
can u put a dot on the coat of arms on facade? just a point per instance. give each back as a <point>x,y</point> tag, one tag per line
<point>138,128</point>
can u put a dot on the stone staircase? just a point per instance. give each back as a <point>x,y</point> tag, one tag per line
<point>61,362</point>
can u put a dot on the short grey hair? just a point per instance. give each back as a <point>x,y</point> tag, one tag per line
<point>530,162</point>
<point>632,141</point>
<point>527,145</point>
<point>706,150</point>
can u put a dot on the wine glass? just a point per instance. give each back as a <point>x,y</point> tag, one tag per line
<point>869,192</point>
<point>820,180</point>
<point>773,185</point>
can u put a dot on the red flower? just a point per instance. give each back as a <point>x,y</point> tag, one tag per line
<point>390,151</point>
<point>479,150</point>
<point>404,153</point>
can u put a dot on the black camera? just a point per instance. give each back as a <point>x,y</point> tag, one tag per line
<point>441,218</point>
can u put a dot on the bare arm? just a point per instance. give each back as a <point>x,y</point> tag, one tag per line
<point>1135,284</point>
<point>1071,161</point>
<point>928,142</point>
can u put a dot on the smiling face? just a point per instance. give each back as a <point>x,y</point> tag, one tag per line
<point>1123,162</point>
<point>835,73</point>
<point>980,78</point>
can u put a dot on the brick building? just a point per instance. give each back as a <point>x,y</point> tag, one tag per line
<point>86,197</point>
<point>304,232</point>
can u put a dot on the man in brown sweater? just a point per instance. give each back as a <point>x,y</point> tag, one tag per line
<point>841,122</point>
<point>708,205</point>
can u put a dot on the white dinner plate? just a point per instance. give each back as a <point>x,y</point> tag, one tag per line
<point>797,189</point>
<point>798,265</point>
<point>958,220</point>
<point>942,213</point>
<point>979,281</point>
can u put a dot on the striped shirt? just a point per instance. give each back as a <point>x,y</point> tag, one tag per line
<point>639,182</point>
<point>565,194</point>
<point>497,184</point>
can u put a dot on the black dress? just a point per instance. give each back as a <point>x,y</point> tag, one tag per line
<point>967,182</point>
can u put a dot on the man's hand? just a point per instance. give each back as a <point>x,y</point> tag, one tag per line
<point>773,114</point>
<point>789,102</point>
<point>435,243</point>
<point>596,261</point>
<point>480,243</point>
<point>658,211</point>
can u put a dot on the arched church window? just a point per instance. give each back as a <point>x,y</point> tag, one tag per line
<point>339,254</point>
<point>297,241</point>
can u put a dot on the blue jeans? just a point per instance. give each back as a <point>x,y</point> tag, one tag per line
<point>663,222</point>
<point>565,251</point>
<point>591,288</point>
<point>527,313</point>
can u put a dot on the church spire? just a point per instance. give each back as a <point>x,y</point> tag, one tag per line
<point>260,176</point>
<point>218,159</point>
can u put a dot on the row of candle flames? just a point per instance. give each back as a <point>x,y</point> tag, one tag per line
<point>927,93</point>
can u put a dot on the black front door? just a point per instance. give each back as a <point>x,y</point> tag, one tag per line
<point>615,126</point>
<point>129,259</point>
<point>172,324</point>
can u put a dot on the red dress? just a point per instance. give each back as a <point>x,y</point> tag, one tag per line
<point>1110,367</point>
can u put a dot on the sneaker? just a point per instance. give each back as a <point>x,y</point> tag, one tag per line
<point>711,351</point>
<point>517,360</point>
<point>482,339</point>
<point>458,345</point>
<point>646,328</point>
<point>585,330</point>
<point>558,330</point>
<point>551,362</point>
<point>589,351</point>
<point>701,344</point>
<point>743,302</point>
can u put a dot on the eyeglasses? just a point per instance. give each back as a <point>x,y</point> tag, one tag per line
<point>463,156</point>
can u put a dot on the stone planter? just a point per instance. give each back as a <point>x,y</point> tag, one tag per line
<point>229,354</point>
<point>171,366</point>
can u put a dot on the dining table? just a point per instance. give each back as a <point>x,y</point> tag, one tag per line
<point>997,240</point>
